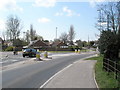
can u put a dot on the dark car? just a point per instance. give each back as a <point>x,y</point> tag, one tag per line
<point>29,52</point>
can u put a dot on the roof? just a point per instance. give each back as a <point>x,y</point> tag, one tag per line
<point>1,39</point>
<point>37,43</point>
<point>59,44</point>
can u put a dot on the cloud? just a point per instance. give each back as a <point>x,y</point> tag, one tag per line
<point>44,3</point>
<point>59,14</point>
<point>9,5</point>
<point>67,12</point>
<point>44,20</point>
<point>2,25</point>
<point>78,14</point>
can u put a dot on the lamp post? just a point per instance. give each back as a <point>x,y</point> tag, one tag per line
<point>56,32</point>
<point>56,38</point>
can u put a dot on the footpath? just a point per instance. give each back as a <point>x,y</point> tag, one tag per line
<point>77,75</point>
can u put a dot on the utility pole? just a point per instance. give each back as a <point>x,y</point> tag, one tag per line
<point>56,38</point>
<point>88,41</point>
<point>56,32</point>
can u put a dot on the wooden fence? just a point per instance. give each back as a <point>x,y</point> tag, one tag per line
<point>114,67</point>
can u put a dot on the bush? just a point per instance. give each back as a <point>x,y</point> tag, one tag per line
<point>10,48</point>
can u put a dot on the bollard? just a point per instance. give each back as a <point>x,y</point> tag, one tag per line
<point>75,50</point>
<point>45,54</point>
<point>79,51</point>
<point>38,56</point>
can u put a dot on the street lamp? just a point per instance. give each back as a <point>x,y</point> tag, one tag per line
<point>56,39</point>
<point>56,32</point>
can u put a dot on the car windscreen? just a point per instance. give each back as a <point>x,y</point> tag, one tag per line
<point>33,50</point>
<point>26,50</point>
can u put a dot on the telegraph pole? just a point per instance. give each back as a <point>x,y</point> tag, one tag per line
<point>56,32</point>
<point>56,38</point>
<point>88,42</point>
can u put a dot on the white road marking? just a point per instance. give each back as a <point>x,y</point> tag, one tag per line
<point>14,60</point>
<point>8,61</point>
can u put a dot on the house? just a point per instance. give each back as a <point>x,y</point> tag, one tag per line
<point>8,43</point>
<point>59,45</point>
<point>37,44</point>
<point>1,41</point>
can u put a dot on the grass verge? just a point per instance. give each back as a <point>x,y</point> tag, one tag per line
<point>103,79</point>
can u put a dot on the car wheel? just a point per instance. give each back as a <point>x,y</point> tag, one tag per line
<point>23,55</point>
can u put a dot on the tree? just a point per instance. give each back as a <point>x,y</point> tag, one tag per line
<point>13,26</point>
<point>64,37</point>
<point>92,43</point>
<point>46,40</point>
<point>84,43</point>
<point>79,43</point>
<point>109,23</point>
<point>38,37</point>
<point>19,43</point>
<point>71,35</point>
<point>109,18</point>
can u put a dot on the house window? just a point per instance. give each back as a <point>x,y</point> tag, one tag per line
<point>63,46</point>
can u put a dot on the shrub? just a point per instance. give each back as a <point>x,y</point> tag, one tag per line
<point>10,48</point>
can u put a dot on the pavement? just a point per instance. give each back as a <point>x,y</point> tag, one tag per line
<point>80,74</point>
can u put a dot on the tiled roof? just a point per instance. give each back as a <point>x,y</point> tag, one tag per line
<point>37,43</point>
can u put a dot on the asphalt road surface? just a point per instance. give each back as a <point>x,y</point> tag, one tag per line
<point>8,58</point>
<point>34,75</point>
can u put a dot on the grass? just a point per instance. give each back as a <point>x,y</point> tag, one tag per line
<point>103,79</point>
<point>67,51</point>
<point>60,51</point>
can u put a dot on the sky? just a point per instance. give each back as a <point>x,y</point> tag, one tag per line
<point>46,15</point>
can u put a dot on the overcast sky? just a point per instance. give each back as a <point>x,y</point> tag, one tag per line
<point>46,15</point>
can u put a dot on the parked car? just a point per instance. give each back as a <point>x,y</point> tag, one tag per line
<point>29,52</point>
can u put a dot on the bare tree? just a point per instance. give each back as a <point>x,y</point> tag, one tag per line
<point>108,17</point>
<point>64,37</point>
<point>118,9</point>
<point>13,26</point>
<point>71,35</point>
<point>109,20</point>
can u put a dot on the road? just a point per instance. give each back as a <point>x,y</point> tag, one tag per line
<point>8,58</point>
<point>34,75</point>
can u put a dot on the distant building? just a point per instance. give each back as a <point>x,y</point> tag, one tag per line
<point>49,46</point>
<point>1,41</point>
<point>8,43</point>
<point>37,44</point>
<point>59,45</point>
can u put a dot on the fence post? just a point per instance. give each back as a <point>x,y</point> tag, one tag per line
<point>115,71</point>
